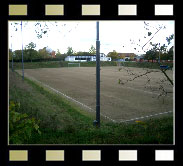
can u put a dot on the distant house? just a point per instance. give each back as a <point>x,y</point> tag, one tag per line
<point>53,54</point>
<point>127,56</point>
<point>140,58</point>
<point>121,57</point>
<point>83,58</point>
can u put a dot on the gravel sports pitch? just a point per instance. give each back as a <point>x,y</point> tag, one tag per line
<point>134,100</point>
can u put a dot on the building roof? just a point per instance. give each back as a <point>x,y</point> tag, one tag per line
<point>123,55</point>
<point>126,54</point>
<point>87,54</point>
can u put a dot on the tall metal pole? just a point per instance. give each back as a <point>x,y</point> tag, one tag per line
<point>12,57</point>
<point>159,54</point>
<point>97,121</point>
<point>22,55</point>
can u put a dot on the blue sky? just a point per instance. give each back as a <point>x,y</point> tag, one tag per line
<point>122,36</point>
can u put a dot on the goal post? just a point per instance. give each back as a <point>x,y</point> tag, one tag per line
<point>73,64</point>
<point>118,64</point>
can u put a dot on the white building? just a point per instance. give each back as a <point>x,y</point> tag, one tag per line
<point>77,58</point>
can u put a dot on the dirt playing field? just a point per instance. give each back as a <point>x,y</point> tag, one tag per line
<point>134,99</point>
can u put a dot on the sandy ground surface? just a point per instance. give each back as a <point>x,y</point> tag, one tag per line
<point>119,102</point>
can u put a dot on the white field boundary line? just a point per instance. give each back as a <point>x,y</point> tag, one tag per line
<point>70,98</point>
<point>91,110</point>
<point>144,117</point>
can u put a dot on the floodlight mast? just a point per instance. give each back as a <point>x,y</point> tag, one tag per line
<point>11,56</point>
<point>97,121</point>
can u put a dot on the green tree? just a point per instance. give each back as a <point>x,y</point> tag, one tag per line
<point>170,38</point>
<point>58,53</point>
<point>21,126</point>
<point>69,51</point>
<point>151,55</point>
<point>60,56</point>
<point>113,55</point>
<point>170,53</point>
<point>92,50</point>
<point>43,53</point>
<point>30,52</point>
<point>31,45</point>
<point>157,52</point>
<point>18,55</point>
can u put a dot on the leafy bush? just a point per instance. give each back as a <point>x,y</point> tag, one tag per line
<point>21,126</point>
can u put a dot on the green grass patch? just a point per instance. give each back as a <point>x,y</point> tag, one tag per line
<point>58,64</point>
<point>149,65</point>
<point>61,122</point>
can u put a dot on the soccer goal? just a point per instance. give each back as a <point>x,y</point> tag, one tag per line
<point>73,64</point>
